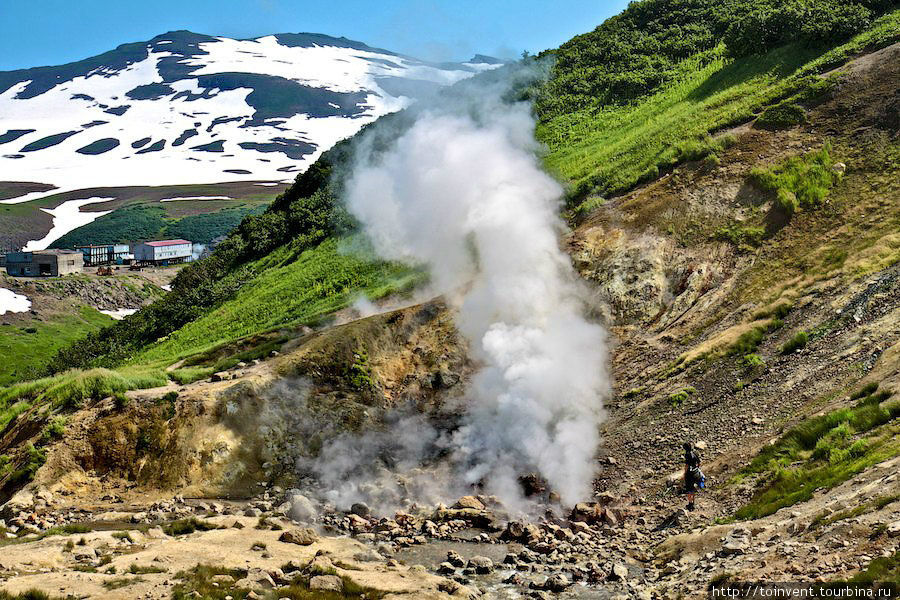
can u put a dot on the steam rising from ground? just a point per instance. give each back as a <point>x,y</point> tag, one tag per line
<point>462,192</point>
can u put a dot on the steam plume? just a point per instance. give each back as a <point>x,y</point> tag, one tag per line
<point>462,191</point>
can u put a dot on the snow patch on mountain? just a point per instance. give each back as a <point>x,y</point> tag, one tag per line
<point>187,108</point>
<point>66,217</point>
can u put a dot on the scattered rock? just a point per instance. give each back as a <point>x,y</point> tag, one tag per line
<point>303,536</point>
<point>557,583</point>
<point>469,502</point>
<point>326,583</point>
<point>482,564</point>
<point>619,572</point>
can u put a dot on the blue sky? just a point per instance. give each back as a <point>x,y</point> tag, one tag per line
<point>47,32</point>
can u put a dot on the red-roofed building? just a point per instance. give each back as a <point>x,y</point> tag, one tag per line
<point>163,252</point>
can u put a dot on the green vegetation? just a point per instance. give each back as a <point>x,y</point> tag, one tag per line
<point>603,147</point>
<point>643,48</point>
<point>121,582</point>
<point>71,389</point>
<point>140,222</point>
<point>743,236</point>
<point>882,569</point>
<point>32,594</point>
<point>360,372</point>
<point>304,289</point>
<point>799,340</point>
<point>53,430</point>
<point>136,569</point>
<point>70,529</point>
<point>802,181</point>
<point>823,452</point>
<point>188,375</point>
<point>679,398</point>
<point>33,344</point>
<point>186,526</point>
<point>781,116</point>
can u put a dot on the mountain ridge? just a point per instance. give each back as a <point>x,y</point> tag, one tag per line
<point>224,109</point>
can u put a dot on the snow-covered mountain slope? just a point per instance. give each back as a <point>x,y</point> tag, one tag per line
<point>190,108</point>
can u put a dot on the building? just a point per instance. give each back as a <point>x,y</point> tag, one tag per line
<point>164,252</point>
<point>50,263</point>
<point>106,254</point>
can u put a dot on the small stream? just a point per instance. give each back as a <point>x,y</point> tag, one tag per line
<point>432,554</point>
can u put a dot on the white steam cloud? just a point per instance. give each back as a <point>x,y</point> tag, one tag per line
<point>462,191</point>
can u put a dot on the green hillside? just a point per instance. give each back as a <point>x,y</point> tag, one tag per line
<point>147,221</point>
<point>647,90</point>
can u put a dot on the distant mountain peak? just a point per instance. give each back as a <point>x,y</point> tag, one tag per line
<point>186,107</point>
<point>483,59</point>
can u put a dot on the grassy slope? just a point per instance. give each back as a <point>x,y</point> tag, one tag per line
<point>609,151</point>
<point>286,292</point>
<point>31,345</point>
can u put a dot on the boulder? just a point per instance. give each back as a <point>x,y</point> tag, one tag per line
<point>446,568</point>
<point>893,530</point>
<point>469,502</point>
<point>619,572</point>
<point>361,509</point>
<point>589,512</point>
<point>301,507</point>
<point>455,559</point>
<point>482,564</point>
<point>256,579</point>
<point>326,583</point>
<point>522,532</point>
<point>557,583</point>
<point>303,536</point>
<point>357,523</point>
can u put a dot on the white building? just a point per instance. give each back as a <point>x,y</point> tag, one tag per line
<point>163,252</point>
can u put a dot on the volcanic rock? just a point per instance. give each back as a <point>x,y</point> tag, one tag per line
<point>469,502</point>
<point>619,572</point>
<point>303,536</point>
<point>481,564</point>
<point>326,583</point>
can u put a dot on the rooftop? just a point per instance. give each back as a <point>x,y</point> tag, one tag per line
<point>167,243</point>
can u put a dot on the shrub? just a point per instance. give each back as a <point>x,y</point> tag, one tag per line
<point>742,235</point>
<point>753,361</point>
<point>866,390</point>
<point>768,25</point>
<point>747,342</point>
<point>679,398</point>
<point>54,430</point>
<point>801,181</point>
<point>781,116</point>
<point>120,400</point>
<point>34,460</point>
<point>799,340</point>
<point>186,526</point>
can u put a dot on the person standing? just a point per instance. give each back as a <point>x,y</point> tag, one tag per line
<point>692,474</point>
